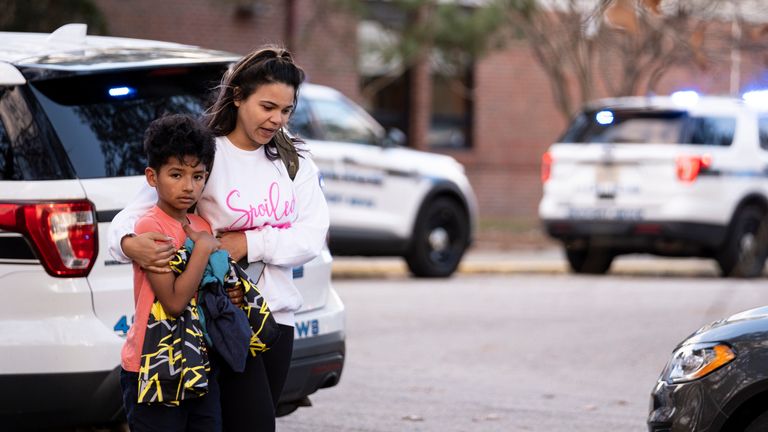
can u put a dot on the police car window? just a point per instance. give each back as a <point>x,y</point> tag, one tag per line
<point>27,150</point>
<point>100,119</point>
<point>626,127</point>
<point>8,166</point>
<point>716,131</point>
<point>763,130</point>
<point>301,123</point>
<point>341,121</point>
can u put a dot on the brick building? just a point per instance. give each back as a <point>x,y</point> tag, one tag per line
<point>510,121</point>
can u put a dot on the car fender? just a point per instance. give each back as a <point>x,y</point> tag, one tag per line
<point>755,393</point>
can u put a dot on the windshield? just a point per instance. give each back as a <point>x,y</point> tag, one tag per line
<point>650,127</point>
<point>100,119</point>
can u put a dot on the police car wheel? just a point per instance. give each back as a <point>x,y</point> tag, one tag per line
<point>589,260</point>
<point>440,238</point>
<point>746,248</point>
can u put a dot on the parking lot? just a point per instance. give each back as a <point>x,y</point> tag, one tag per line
<point>535,350</point>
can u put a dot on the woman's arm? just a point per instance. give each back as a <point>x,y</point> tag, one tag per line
<point>175,293</point>
<point>289,246</point>
<point>151,250</point>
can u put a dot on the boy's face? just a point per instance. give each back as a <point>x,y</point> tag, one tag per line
<point>179,184</point>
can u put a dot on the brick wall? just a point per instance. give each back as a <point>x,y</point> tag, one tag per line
<point>514,122</point>
<point>324,44</point>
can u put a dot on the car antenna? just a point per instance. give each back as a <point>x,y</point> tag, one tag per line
<point>69,34</point>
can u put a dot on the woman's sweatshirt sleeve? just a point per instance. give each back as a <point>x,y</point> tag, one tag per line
<point>304,239</point>
<point>123,222</point>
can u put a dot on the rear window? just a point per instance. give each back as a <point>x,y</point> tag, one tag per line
<point>27,146</point>
<point>650,127</point>
<point>100,119</point>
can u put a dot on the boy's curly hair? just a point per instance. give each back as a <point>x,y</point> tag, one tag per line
<point>178,135</point>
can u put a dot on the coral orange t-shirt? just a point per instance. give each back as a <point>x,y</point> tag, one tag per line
<point>155,220</point>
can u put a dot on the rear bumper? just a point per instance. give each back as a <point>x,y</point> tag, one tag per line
<point>660,237</point>
<point>36,401</point>
<point>317,363</point>
<point>318,350</point>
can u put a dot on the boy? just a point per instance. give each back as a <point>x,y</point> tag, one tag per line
<point>166,378</point>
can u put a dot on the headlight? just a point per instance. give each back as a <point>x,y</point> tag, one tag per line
<point>691,362</point>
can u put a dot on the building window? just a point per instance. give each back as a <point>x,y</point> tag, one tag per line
<point>387,90</point>
<point>451,125</point>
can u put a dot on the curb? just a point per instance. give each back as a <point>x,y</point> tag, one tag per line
<point>514,262</point>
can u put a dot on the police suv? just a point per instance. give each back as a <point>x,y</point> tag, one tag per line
<point>73,110</point>
<point>682,175</point>
<point>385,199</point>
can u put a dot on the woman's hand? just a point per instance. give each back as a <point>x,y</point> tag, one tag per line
<point>236,295</point>
<point>235,243</point>
<point>151,251</point>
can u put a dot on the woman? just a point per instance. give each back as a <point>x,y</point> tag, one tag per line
<point>258,213</point>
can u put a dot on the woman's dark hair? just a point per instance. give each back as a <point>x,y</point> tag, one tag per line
<point>267,65</point>
<point>178,135</point>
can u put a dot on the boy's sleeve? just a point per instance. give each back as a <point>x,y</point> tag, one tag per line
<point>147,224</point>
<point>123,223</point>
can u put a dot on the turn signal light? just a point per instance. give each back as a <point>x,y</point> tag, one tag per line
<point>689,167</point>
<point>546,166</point>
<point>63,234</point>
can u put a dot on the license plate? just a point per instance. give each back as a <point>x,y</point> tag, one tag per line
<point>607,213</point>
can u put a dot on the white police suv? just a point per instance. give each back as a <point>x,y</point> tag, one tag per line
<point>385,199</point>
<point>73,109</point>
<point>683,175</point>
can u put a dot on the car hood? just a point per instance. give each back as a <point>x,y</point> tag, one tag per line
<point>747,324</point>
<point>424,162</point>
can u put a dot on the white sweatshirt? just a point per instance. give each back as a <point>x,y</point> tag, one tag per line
<point>285,222</point>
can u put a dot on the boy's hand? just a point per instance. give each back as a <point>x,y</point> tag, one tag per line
<point>203,239</point>
<point>235,243</point>
<point>151,251</point>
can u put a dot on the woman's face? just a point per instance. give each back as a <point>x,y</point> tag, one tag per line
<point>261,114</point>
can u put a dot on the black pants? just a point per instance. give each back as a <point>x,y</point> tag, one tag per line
<point>201,414</point>
<point>249,399</point>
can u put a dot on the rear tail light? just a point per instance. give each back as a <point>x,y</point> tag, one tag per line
<point>689,167</point>
<point>546,166</point>
<point>63,234</point>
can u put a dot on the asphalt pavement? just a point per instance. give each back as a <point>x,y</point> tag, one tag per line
<point>549,260</point>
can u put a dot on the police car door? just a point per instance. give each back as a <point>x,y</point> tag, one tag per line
<point>354,164</point>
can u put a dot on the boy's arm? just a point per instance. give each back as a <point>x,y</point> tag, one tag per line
<point>174,293</point>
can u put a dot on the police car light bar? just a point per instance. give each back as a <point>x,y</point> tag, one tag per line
<point>756,98</point>
<point>121,91</point>
<point>685,98</point>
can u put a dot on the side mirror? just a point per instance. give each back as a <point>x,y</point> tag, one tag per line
<point>395,138</point>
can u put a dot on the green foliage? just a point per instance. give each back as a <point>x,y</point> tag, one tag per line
<point>458,32</point>
<point>48,15</point>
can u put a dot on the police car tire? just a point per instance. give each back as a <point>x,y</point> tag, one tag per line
<point>736,262</point>
<point>422,259</point>
<point>589,260</point>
